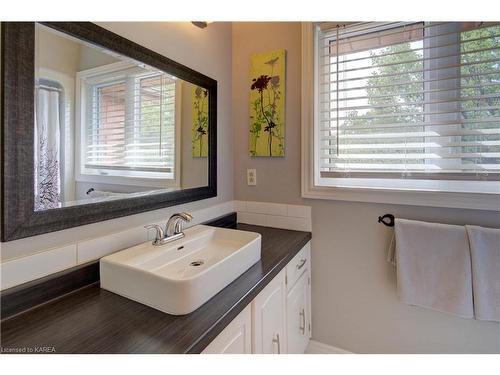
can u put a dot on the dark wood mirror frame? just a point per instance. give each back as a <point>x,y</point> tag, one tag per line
<point>19,219</point>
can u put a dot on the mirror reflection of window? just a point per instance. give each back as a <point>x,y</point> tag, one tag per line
<point>129,123</point>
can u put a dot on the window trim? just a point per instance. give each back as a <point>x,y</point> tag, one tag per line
<point>309,184</point>
<point>80,115</point>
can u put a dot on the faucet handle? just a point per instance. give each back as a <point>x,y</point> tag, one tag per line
<point>183,216</point>
<point>160,234</point>
<point>174,224</point>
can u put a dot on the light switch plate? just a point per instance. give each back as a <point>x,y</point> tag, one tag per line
<point>251,177</point>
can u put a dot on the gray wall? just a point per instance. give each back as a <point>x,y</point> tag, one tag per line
<point>207,51</point>
<point>354,288</point>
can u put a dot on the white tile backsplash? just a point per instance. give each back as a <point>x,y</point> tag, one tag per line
<point>251,218</point>
<point>101,246</point>
<point>266,208</point>
<point>21,270</point>
<point>256,207</point>
<point>276,209</point>
<point>240,206</point>
<point>206,214</point>
<point>287,222</point>
<point>275,215</point>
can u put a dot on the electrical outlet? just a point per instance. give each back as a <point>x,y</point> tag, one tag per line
<point>251,177</point>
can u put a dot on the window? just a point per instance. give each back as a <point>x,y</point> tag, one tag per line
<point>412,106</point>
<point>129,126</point>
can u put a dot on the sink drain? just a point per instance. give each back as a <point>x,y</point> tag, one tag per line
<point>196,263</point>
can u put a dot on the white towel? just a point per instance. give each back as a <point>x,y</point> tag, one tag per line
<point>434,267</point>
<point>391,252</point>
<point>485,258</point>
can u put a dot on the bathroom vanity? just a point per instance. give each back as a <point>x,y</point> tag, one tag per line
<point>265,310</point>
<point>278,320</point>
<point>132,131</point>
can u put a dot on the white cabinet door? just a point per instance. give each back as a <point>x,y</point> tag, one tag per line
<point>269,318</point>
<point>307,254</point>
<point>235,338</point>
<point>297,304</point>
<point>309,308</point>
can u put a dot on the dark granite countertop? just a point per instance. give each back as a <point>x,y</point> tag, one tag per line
<point>92,320</point>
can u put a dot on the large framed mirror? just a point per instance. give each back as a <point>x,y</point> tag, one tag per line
<point>95,126</point>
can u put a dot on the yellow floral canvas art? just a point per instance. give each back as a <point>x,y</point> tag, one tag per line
<point>267,104</point>
<point>199,97</point>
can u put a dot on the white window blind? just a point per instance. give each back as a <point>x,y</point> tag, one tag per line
<point>132,125</point>
<point>408,101</point>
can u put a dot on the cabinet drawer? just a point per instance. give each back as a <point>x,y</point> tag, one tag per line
<point>298,265</point>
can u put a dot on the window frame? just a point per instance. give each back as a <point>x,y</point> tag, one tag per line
<point>125,177</point>
<point>437,195</point>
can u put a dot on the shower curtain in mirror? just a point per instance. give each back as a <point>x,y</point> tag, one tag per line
<point>47,149</point>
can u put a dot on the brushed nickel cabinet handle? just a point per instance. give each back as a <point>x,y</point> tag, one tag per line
<point>277,341</point>
<point>302,326</point>
<point>301,264</point>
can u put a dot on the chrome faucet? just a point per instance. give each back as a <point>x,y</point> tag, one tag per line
<point>173,229</point>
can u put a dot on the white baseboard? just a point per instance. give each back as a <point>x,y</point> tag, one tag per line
<point>316,347</point>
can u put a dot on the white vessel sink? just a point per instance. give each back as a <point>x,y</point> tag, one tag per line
<point>180,276</point>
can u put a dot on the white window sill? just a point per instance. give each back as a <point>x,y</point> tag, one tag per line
<point>478,201</point>
<point>129,181</point>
